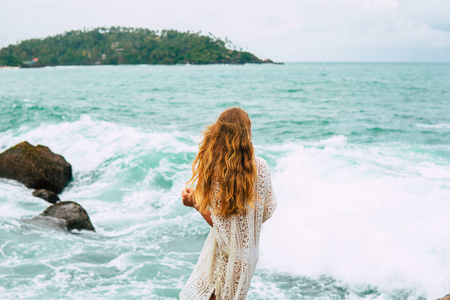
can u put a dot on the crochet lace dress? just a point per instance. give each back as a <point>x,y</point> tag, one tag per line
<point>228,258</point>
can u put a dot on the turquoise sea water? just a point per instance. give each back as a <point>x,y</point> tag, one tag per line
<point>360,160</point>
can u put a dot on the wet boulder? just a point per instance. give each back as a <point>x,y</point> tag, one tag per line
<point>36,167</point>
<point>72,213</point>
<point>47,195</point>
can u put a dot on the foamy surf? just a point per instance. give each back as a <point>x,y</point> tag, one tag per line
<point>434,126</point>
<point>363,215</point>
<point>363,190</point>
<point>369,217</point>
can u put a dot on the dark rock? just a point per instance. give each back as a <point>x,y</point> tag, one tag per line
<point>36,167</point>
<point>72,212</point>
<point>47,195</point>
<point>447,297</point>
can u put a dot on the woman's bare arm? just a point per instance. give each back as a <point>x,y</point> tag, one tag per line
<point>188,197</point>
<point>206,216</point>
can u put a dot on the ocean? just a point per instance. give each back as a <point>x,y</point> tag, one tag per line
<point>359,155</point>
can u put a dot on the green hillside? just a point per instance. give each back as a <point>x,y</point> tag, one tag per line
<point>119,45</point>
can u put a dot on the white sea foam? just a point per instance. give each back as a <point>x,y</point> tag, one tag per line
<point>261,289</point>
<point>336,141</point>
<point>435,126</point>
<point>373,216</point>
<point>87,143</point>
<point>368,217</point>
<point>19,201</point>
<point>108,150</point>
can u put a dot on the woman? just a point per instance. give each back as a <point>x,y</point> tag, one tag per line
<point>233,192</point>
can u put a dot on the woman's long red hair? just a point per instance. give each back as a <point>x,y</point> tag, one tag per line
<point>225,169</point>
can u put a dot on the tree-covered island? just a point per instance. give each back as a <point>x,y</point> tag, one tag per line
<point>122,45</point>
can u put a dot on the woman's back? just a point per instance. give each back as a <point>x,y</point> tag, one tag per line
<point>233,193</point>
<point>228,259</point>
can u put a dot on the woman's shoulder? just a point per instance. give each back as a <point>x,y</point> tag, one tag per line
<point>261,160</point>
<point>261,163</point>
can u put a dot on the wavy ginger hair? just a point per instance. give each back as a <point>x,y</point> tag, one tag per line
<point>226,157</point>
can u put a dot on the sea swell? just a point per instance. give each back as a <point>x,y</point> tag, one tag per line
<point>373,218</point>
<point>361,174</point>
<point>360,219</point>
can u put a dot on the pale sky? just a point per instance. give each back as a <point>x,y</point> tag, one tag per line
<point>282,30</point>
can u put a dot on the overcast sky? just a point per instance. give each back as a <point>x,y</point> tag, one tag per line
<point>283,30</point>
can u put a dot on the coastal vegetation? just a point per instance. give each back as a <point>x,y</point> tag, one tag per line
<point>124,45</point>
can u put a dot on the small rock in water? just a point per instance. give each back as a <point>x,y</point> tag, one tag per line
<point>447,297</point>
<point>73,213</point>
<point>47,195</point>
<point>36,167</point>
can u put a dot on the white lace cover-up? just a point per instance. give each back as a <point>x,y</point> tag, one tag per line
<point>228,258</point>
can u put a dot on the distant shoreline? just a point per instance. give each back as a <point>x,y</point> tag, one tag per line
<point>125,45</point>
<point>218,64</point>
<point>129,65</point>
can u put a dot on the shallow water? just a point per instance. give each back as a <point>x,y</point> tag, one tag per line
<point>359,155</point>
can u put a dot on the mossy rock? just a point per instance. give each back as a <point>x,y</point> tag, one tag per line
<point>72,213</point>
<point>36,167</point>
